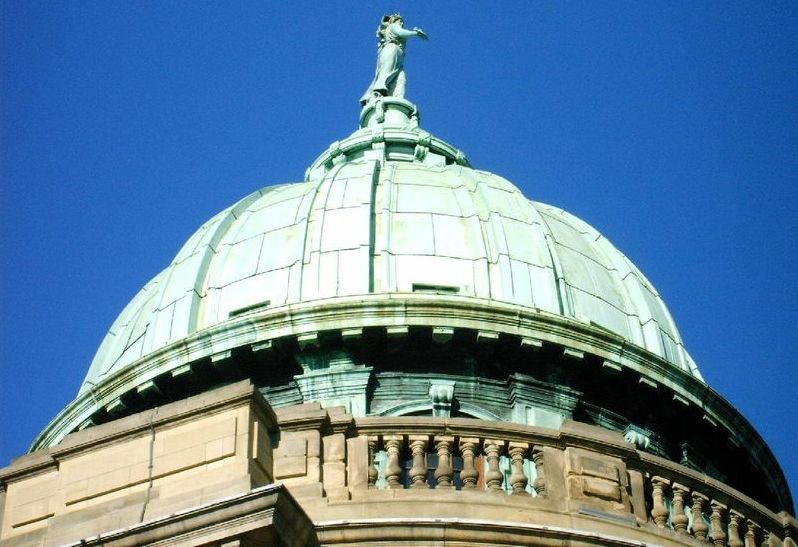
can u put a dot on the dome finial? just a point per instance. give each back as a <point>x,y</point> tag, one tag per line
<point>389,78</point>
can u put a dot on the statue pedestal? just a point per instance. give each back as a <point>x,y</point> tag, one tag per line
<point>389,111</point>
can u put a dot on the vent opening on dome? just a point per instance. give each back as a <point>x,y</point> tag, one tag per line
<point>436,289</point>
<point>250,308</point>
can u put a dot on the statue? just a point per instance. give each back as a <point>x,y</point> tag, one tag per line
<point>389,79</point>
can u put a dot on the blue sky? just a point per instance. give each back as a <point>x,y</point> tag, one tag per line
<point>671,127</point>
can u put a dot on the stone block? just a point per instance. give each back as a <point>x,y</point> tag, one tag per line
<point>139,472</point>
<point>220,448</point>
<point>262,449</point>
<point>178,461</point>
<point>290,447</point>
<point>600,488</point>
<point>305,490</point>
<point>76,490</point>
<point>198,432</point>
<point>107,482</point>
<point>334,447</point>
<point>334,475</point>
<point>597,479</point>
<point>290,466</point>
<point>291,456</point>
<point>32,489</point>
<point>314,468</point>
<point>357,463</point>
<point>30,512</point>
<point>83,522</point>
<point>92,464</point>
<point>598,468</point>
<point>314,443</point>
<point>337,494</point>
<point>637,488</point>
<point>27,538</point>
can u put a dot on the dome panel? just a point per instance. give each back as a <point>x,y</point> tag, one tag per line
<point>458,237</point>
<point>526,242</point>
<point>417,271</point>
<point>410,234</point>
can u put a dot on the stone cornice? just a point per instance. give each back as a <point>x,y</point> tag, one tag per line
<point>467,530</point>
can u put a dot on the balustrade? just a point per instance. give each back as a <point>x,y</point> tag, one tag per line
<point>493,465</point>
<point>671,498</point>
<point>727,526</point>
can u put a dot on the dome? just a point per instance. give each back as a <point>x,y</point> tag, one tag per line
<point>445,229</point>
<point>397,280</point>
<point>389,218</point>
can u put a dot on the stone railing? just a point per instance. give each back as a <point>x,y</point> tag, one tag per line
<point>689,504</point>
<point>461,463</point>
<point>578,469</point>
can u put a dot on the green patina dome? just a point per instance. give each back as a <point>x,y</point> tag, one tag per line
<point>428,226</point>
<point>395,280</point>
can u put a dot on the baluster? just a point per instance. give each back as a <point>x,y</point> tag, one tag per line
<point>418,473</point>
<point>716,518</point>
<point>679,518</point>
<point>700,528</point>
<point>659,512</point>
<point>750,534</point>
<point>444,472</point>
<point>493,478</point>
<point>372,471</point>
<point>469,474</point>
<point>393,447</point>
<point>735,520</point>
<point>518,480</point>
<point>789,540</point>
<point>540,473</point>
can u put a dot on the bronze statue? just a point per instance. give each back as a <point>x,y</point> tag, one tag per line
<point>389,79</point>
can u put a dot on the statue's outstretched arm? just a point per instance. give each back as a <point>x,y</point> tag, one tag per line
<point>402,32</point>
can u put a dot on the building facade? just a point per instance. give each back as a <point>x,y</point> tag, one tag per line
<point>401,348</point>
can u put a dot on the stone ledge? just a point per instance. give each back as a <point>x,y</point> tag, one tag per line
<point>425,531</point>
<point>266,513</point>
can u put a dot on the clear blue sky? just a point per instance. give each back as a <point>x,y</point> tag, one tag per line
<point>671,127</point>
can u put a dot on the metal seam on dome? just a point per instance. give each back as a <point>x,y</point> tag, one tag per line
<point>390,188</point>
<point>310,208</point>
<point>559,280</point>
<point>600,246</point>
<point>202,278</point>
<point>375,180</point>
<point>603,245</point>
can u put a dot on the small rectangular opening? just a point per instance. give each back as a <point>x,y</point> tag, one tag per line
<point>435,289</point>
<point>250,308</point>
